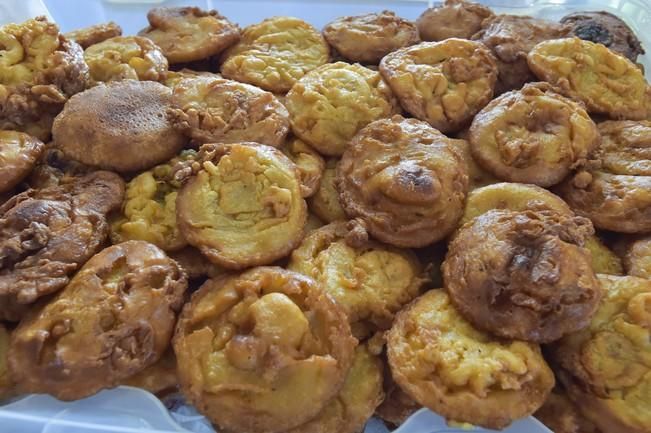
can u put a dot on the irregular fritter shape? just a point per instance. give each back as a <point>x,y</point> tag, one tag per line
<point>18,155</point>
<point>114,318</point>
<point>397,406</point>
<point>53,169</point>
<point>174,78</point>
<point>6,384</point>
<point>309,163</point>
<point>325,201</point>
<point>477,176</point>
<point>637,257</point>
<point>263,351</point>
<point>94,34</point>
<point>195,264</point>
<point>159,377</point>
<point>452,19</point>
<point>560,415</point>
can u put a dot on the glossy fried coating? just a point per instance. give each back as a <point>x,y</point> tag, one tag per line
<point>605,367</point>
<point>626,147</point>
<point>461,373</point>
<point>452,19</point>
<point>186,34</point>
<point>309,163</point>
<point>244,207</point>
<point>94,34</point>
<point>263,351</point>
<point>533,135</point>
<point>159,377</point>
<point>114,318</point>
<point>604,81</point>
<point>444,83</point>
<point>477,176</point>
<point>523,275</point>
<point>18,155</point>
<point>53,169</point>
<point>6,384</point>
<point>404,180</point>
<point>604,261</point>
<point>125,58</point>
<point>560,415</point>
<point>330,104</point>
<point>120,126</point>
<point>46,234</point>
<point>325,201</point>
<point>367,38</point>
<point>195,264</point>
<point>397,406</point>
<point>214,110</point>
<point>275,53</point>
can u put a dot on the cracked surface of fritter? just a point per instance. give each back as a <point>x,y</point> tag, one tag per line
<point>452,19</point>
<point>325,201</point>
<point>18,155</point>
<point>309,163</point>
<point>94,34</point>
<point>637,257</point>
<point>159,377</point>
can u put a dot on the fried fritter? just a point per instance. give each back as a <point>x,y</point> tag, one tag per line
<point>397,406</point>
<point>6,384</point>
<point>367,38</point>
<point>461,373</point>
<point>114,319</point>
<point>173,78</point>
<point>195,264</point>
<point>121,126</point>
<point>636,256</point>
<point>533,135</point>
<point>275,53</point>
<point>325,201</point>
<point>309,163</point>
<point>477,176</point>
<point>263,351</point>
<point>18,155</point>
<point>53,169</point>
<point>404,179</point>
<point>444,83</point>
<point>159,377</point>
<point>560,415</point>
<point>452,19</point>
<point>604,81</point>
<point>46,234</point>
<point>214,110</point>
<point>186,34</point>
<point>330,104</point>
<point>94,34</point>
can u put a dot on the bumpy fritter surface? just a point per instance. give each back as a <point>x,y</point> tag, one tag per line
<point>244,207</point>
<point>114,318</point>
<point>309,163</point>
<point>125,58</point>
<point>452,19</point>
<point>325,201</point>
<point>461,373</point>
<point>560,415</point>
<point>275,53</point>
<point>53,169</point>
<point>405,180</point>
<point>94,34</point>
<point>159,377</point>
<point>510,38</point>
<point>523,275</point>
<point>477,176</point>
<point>18,155</point>
<point>330,104</point>
<point>262,351</point>
<point>46,234</point>
<point>119,126</point>
<point>213,110</point>
<point>397,406</point>
<point>195,264</point>
<point>186,34</point>
<point>444,83</point>
<point>605,82</point>
<point>637,257</point>
<point>367,38</point>
<point>533,135</point>
<point>606,367</point>
<point>174,78</point>
<point>6,384</point>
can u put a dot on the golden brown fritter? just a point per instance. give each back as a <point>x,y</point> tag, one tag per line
<point>309,163</point>
<point>452,19</point>
<point>94,34</point>
<point>159,377</point>
<point>275,53</point>
<point>367,38</point>
<point>114,319</point>
<point>195,264</point>
<point>477,176</point>
<point>186,34</point>
<point>461,373</point>
<point>397,406</point>
<point>18,155</point>
<point>119,126</point>
<point>444,83</point>
<point>560,415</point>
<point>404,180</point>
<point>174,78</point>
<point>523,275</point>
<point>325,201</point>
<point>6,384</point>
<point>533,135</point>
<point>53,169</point>
<point>263,351</point>
<point>637,258</point>
<point>330,104</point>
<point>46,234</point>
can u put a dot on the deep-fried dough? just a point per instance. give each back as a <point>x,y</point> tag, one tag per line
<point>367,38</point>
<point>309,163</point>
<point>405,180</point>
<point>636,255</point>
<point>53,169</point>
<point>195,264</point>
<point>159,377</point>
<point>477,176</point>
<point>173,78</point>
<point>444,83</point>
<point>94,34</point>
<point>114,318</point>
<point>463,374</point>
<point>18,155</point>
<point>263,351</point>
<point>452,19</point>
<point>397,406</point>
<point>6,384</point>
<point>45,235</point>
<point>560,415</point>
<point>325,201</point>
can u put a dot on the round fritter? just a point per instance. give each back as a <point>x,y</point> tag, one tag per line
<point>325,201</point>
<point>607,29</point>
<point>477,176</point>
<point>523,275</point>
<point>533,135</point>
<point>53,169</point>
<point>114,318</point>
<point>125,58</point>
<point>330,104</point>
<point>186,34</point>
<point>452,19</point>
<point>214,110</point>
<point>404,179</point>
<point>263,351</point>
<point>244,207</point>
<point>195,264</point>
<point>94,34</point>
<point>606,367</point>
<point>367,38</point>
<point>637,257</point>
<point>510,38</point>
<point>275,53</point>
<point>626,147</point>
<point>46,234</point>
<point>159,377</point>
<point>444,83</point>
<point>605,82</point>
<point>309,163</point>
<point>121,126</point>
<point>560,415</point>
<point>461,373</point>
<point>6,384</point>
<point>397,406</point>
<point>18,155</point>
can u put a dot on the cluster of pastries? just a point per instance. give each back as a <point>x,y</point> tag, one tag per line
<point>300,230</point>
